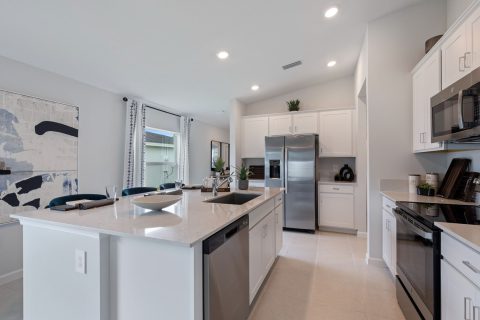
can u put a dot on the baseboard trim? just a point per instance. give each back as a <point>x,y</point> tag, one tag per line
<point>361,234</point>
<point>378,262</point>
<point>11,276</point>
<point>337,230</point>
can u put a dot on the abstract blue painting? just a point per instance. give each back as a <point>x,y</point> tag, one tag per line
<point>39,144</point>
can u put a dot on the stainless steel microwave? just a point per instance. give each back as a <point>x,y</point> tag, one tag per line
<point>456,111</point>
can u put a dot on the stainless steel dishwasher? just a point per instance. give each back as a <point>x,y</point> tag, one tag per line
<point>225,273</point>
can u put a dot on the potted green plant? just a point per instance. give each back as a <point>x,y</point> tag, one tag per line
<point>293,105</point>
<point>425,189</point>
<point>243,173</point>
<point>219,163</point>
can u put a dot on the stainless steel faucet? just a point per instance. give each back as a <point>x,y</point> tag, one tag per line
<point>217,183</point>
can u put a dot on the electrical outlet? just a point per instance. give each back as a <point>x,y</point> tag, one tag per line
<point>81,261</point>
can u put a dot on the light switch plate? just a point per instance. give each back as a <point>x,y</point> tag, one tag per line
<point>81,261</point>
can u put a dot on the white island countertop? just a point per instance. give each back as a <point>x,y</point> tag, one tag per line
<point>185,223</point>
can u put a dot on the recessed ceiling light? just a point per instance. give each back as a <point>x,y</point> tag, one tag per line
<point>331,12</point>
<point>331,63</point>
<point>222,55</point>
<point>255,87</point>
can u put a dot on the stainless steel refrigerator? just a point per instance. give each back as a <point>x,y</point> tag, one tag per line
<point>291,163</point>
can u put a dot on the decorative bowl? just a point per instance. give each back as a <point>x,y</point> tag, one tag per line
<point>156,202</point>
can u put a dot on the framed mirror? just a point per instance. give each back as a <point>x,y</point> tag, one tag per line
<point>225,154</point>
<point>215,153</point>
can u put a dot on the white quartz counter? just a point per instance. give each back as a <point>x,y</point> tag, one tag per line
<point>184,223</point>
<point>465,233</point>
<point>410,197</point>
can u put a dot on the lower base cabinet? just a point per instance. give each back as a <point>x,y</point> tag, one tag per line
<point>389,237</point>
<point>336,206</point>
<point>460,297</point>
<point>262,244</point>
<point>278,228</point>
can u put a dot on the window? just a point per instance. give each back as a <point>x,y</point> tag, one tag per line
<point>161,156</point>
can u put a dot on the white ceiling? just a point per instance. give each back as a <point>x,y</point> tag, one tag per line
<point>165,50</point>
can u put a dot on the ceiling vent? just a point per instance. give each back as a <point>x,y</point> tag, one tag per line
<point>292,65</point>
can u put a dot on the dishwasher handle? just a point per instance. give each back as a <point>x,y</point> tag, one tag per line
<point>232,232</point>
<point>218,239</point>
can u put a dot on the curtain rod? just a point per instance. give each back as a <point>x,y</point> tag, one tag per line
<point>125,99</point>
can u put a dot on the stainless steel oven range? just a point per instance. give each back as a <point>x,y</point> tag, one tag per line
<point>418,254</point>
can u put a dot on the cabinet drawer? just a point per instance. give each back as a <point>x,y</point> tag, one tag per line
<point>332,188</point>
<point>462,257</point>
<point>388,205</point>
<point>279,199</point>
<point>258,214</point>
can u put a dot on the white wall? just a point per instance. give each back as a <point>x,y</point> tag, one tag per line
<point>333,94</point>
<point>200,137</point>
<point>455,8</point>
<point>395,45</point>
<point>237,110</point>
<point>101,136</point>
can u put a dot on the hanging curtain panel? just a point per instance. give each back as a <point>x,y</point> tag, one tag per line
<point>134,172</point>
<point>183,163</point>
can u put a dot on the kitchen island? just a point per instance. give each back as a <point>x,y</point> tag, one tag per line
<point>121,261</point>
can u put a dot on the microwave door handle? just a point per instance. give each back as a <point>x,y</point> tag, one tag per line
<point>460,110</point>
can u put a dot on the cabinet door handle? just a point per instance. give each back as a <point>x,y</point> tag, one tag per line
<point>465,299</point>
<point>461,64</point>
<point>467,63</point>
<point>471,266</point>
<point>336,189</point>
<point>388,206</point>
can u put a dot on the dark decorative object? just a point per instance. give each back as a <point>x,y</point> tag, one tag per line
<point>468,184</point>
<point>219,150</point>
<point>5,172</point>
<point>346,174</point>
<point>452,180</point>
<point>425,189</point>
<point>243,184</point>
<point>293,105</point>
<point>430,43</point>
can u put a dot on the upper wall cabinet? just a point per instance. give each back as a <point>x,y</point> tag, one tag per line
<point>426,83</point>
<point>454,51</point>
<point>298,123</point>
<point>335,133</point>
<point>461,50</point>
<point>254,131</point>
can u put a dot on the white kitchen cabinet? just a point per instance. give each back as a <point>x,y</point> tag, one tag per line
<point>280,125</point>
<point>454,51</point>
<point>254,131</point>
<point>304,123</point>
<point>389,235</point>
<point>335,209</point>
<point>472,25</point>
<point>278,228</point>
<point>335,133</point>
<point>460,297</point>
<point>426,83</point>
<point>296,123</point>
<point>262,244</point>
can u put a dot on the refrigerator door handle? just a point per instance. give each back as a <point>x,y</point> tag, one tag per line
<point>286,170</point>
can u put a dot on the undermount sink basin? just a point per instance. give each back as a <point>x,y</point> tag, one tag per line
<point>234,198</point>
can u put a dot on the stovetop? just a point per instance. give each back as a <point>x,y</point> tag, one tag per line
<point>429,213</point>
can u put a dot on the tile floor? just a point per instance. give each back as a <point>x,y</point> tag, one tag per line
<point>318,276</point>
<point>11,301</point>
<point>324,276</point>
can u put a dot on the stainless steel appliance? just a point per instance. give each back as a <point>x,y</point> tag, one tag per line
<point>291,163</point>
<point>226,273</point>
<point>456,111</point>
<point>418,254</point>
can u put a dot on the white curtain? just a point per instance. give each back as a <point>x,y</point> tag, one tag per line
<point>134,165</point>
<point>183,163</point>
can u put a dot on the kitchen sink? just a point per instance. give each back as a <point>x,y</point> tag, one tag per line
<point>234,198</point>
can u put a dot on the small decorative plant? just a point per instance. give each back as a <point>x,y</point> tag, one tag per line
<point>219,163</point>
<point>293,105</point>
<point>243,173</point>
<point>425,189</point>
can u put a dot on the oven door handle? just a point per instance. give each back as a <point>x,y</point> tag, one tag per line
<point>417,230</point>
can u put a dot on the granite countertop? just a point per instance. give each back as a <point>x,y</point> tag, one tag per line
<point>185,223</point>
<point>466,233</point>
<point>410,197</point>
